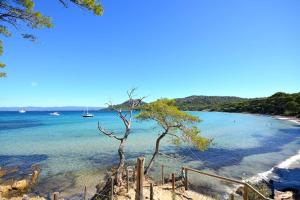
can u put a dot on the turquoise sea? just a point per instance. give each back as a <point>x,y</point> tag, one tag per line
<point>72,154</point>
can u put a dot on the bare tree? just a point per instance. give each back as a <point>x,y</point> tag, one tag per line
<point>125,113</point>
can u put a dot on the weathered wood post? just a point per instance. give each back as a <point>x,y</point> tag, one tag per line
<point>134,174</point>
<point>127,180</point>
<point>173,195</point>
<point>162,175</point>
<point>245,195</point>
<point>140,179</point>
<point>231,197</point>
<point>84,194</point>
<point>112,188</point>
<point>173,182</point>
<point>186,179</point>
<point>151,191</point>
<point>55,195</point>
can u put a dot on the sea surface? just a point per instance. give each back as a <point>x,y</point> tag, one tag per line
<point>72,153</point>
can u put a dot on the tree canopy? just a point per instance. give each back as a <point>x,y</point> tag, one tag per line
<point>205,102</point>
<point>18,13</point>
<point>175,123</point>
<point>278,104</point>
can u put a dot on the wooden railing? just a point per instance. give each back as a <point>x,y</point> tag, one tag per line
<point>246,185</point>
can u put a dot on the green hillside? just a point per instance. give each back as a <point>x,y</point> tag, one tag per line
<point>205,102</point>
<point>278,104</point>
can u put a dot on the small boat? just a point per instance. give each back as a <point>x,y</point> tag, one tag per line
<point>55,114</point>
<point>87,114</point>
<point>22,111</point>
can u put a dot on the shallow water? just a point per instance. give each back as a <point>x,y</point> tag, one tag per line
<point>72,153</point>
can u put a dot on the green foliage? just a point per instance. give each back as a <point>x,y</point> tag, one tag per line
<point>204,102</point>
<point>125,105</point>
<point>278,104</point>
<point>2,65</point>
<point>4,31</point>
<point>262,188</point>
<point>165,113</point>
<point>17,13</point>
<point>176,123</point>
<point>92,5</point>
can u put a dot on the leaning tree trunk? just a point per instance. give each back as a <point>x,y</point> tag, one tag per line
<point>120,169</point>
<point>155,153</point>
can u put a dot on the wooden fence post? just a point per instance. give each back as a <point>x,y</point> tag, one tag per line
<point>140,179</point>
<point>186,179</point>
<point>173,196</point>
<point>245,195</point>
<point>112,188</point>
<point>231,197</point>
<point>151,191</point>
<point>127,180</point>
<point>55,195</point>
<point>84,194</point>
<point>173,182</point>
<point>162,175</point>
<point>134,174</point>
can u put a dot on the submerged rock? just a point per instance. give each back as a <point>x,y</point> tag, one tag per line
<point>12,187</point>
<point>4,189</point>
<point>2,172</point>
<point>35,177</point>
<point>25,197</point>
<point>6,171</point>
<point>20,185</point>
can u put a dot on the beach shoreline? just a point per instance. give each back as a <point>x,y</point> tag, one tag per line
<point>288,167</point>
<point>82,178</point>
<point>288,118</point>
<point>279,117</point>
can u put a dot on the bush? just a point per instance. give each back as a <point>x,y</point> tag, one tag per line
<point>262,188</point>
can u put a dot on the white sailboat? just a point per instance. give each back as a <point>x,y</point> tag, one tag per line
<point>55,113</point>
<point>22,111</point>
<point>87,114</point>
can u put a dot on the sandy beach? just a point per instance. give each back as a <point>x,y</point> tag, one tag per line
<point>291,119</point>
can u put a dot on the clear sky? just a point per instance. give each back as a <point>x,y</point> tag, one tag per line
<point>165,48</point>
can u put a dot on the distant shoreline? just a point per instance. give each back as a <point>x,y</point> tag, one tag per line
<point>79,109</point>
<point>290,119</point>
<point>45,109</point>
<point>279,117</point>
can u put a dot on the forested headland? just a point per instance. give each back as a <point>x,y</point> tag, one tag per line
<point>279,103</point>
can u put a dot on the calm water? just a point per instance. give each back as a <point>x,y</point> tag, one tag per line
<point>72,153</point>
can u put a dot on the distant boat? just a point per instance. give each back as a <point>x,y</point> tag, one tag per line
<point>22,111</point>
<point>87,114</point>
<point>55,113</point>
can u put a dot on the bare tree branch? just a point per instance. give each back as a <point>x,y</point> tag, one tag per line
<point>107,133</point>
<point>173,135</point>
<point>127,123</point>
<point>63,3</point>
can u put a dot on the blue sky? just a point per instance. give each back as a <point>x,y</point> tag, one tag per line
<point>165,48</point>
